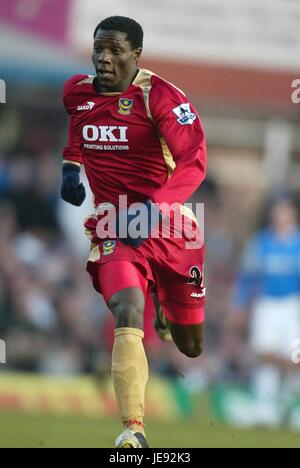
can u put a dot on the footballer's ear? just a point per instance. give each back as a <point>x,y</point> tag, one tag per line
<point>138,53</point>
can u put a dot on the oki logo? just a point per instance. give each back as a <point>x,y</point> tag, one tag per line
<point>104,133</point>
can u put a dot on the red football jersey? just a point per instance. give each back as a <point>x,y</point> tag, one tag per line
<point>146,143</point>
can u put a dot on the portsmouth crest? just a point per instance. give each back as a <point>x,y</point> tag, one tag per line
<point>125,106</point>
<point>109,247</point>
<point>184,114</point>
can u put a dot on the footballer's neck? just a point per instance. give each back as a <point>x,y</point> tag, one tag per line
<point>120,88</point>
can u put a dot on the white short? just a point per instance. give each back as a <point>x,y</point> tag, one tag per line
<point>275,325</point>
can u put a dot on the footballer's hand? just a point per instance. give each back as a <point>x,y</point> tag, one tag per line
<point>72,191</point>
<point>133,229</point>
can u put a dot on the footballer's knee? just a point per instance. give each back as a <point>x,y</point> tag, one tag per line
<point>128,309</point>
<point>192,348</point>
<point>189,339</point>
<point>127,315</point>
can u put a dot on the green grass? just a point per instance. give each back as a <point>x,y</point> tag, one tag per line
<point>33,431</point>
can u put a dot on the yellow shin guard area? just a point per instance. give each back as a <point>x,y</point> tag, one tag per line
<point>130,375</point>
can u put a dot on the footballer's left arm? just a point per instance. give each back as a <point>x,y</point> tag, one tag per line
<point>180,126</point>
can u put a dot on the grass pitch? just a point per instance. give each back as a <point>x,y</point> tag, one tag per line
<point>35,431</point>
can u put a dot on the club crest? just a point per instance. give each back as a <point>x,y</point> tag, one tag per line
<point>125,106</point>
<point>109,247</point>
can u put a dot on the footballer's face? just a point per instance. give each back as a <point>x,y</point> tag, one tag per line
<point>115,61</point>
<point>284,215</point>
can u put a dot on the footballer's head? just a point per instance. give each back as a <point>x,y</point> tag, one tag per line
<point>284,212</point>
<point>118,44</point>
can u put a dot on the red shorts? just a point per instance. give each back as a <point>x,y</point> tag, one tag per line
<point>164,266</point>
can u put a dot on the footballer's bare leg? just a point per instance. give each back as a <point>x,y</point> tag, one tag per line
<point>129,364</point>
<point>127,307</point>
<point>189,339</point>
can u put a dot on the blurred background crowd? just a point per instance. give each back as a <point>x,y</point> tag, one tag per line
<point>239,76</point>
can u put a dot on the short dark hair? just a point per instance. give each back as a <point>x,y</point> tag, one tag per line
<point>133,30</point>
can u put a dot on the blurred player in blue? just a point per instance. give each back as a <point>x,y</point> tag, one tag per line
<point>269,286</point>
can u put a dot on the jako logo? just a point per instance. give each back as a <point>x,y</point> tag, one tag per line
<point>88,106</point>
<point>198,295</point>
<point>2,352</point>
<point>104,133</point>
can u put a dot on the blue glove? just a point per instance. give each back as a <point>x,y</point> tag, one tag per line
<point>135,233</point>
<point>72,191</point>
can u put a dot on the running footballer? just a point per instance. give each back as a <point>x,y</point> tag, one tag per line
<point>139,138</point>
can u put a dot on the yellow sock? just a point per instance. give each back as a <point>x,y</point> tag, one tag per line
<point>130,375</point>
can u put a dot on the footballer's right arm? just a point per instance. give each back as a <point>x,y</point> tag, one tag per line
<point>72,191</point>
